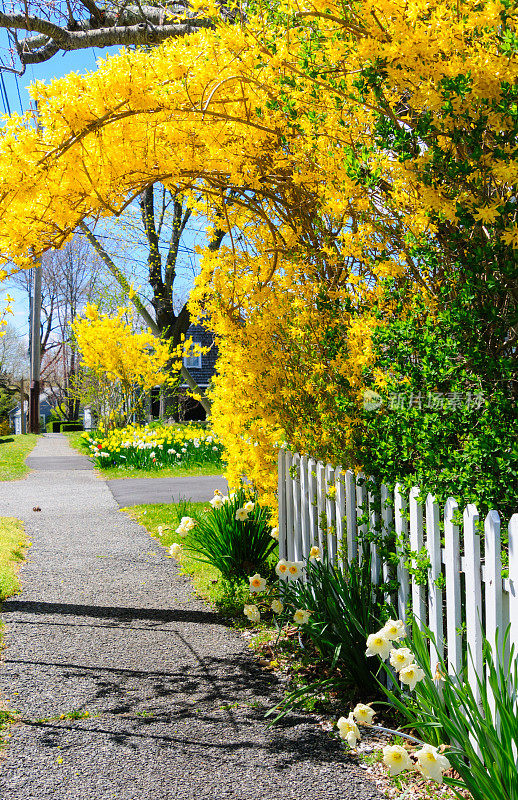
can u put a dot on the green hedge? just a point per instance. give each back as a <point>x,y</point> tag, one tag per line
<point>54,426</point>
<point>59,425</point>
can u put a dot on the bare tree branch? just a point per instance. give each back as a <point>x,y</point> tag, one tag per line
<point>132,25</point>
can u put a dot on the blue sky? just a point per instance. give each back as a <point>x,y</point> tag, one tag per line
<point>17,100</point>
<point>59,65</point>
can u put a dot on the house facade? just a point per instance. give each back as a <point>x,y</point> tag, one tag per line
<point>202,368</point>
<point>15,415</point>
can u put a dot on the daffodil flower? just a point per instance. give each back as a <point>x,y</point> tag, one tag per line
<point>396,759</point>
<point>301,616</point>
<point>257,584</point>
<point>348,730</point>
<point>431,763</point>
<point>378,645</point>
<point>410,675</point>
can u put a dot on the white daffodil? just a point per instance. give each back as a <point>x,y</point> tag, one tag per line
<point>249,506</point>
<point>277,607</point>
<point>396,759</point>
<point>411,675</point>
<point>394,629</point>
<point>295,569</point>
<point>348,730</point>
<point>188,523</point>
<point>160,530</point>
<point>378,645</point>
<point>257,584</point>
<point>274,533</point>
<point>363,714</point>
<point>314,554</point>
<point>216,501</point>
<point>301,617</point>
<point>175,550</point>
<point>252,612</point>
<point>241,514</point>
<point>401,657</point>
<point>431,763</point>
<point>282,568</point>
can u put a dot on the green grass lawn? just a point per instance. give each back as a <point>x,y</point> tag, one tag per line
<point>13,543</point>
<point>207,581</point>
<point>75,440</point>
<point>13,451</point>
<point>13,546</point>
<point>110,473</point>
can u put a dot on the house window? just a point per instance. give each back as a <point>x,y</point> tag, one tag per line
<point>191,361</point>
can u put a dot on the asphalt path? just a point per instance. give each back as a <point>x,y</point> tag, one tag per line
<point>136,491</point>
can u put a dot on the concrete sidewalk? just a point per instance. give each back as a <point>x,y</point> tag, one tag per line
<point>126,685</point>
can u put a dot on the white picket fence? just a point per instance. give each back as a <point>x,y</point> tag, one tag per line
<point>332,508</point>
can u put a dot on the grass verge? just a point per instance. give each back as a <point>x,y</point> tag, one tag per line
<point>13,451</point>
<point>13,546</point>
<point>228,597</point>
<point>112,473</point>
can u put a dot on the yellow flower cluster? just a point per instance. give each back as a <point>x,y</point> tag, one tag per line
<point>7,309</point>
<point>141,446</point>
<point>109,346</point>
<point>157,436</point>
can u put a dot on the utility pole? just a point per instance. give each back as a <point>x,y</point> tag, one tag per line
<point>23,426</point>
<point>34,390</point>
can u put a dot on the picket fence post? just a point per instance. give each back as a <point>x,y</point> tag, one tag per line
<point>433,547</point>
<point>472,580</point>
<point>281,499</point>
<point>340,514</point>
<point>305,500</point>
<point>330,515</point>
<point>350,511</point>
<point>416,545</point>
<point>401,531</point>
<point>513,580</point>
<point>453,593</point>
<point>312,493</point>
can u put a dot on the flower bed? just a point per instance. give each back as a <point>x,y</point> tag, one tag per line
<point>146,447</point>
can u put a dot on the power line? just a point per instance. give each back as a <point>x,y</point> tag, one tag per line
<point>5,99</point>
<point>18,90</point>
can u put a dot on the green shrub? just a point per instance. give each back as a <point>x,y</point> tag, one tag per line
<point>447,415</point>
<point>70,426</point>
<point>345,608</point>
<point>236,548</point>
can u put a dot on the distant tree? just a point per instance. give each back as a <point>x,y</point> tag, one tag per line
<point>70,278</point>
<point>13,357</point>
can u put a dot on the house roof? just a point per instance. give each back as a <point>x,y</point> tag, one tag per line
<point>45,407</point>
